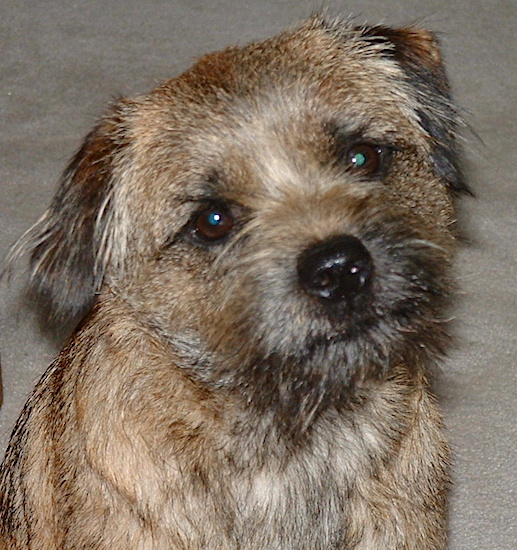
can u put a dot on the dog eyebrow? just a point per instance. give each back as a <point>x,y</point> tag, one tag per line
<point>343,134</point>
<point>199,187</point>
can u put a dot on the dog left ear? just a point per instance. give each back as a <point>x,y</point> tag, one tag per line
<point>70,247</point>
<point>417,51</point>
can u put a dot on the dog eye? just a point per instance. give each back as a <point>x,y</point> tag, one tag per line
<point>213,223</point>
<point>368,159</point>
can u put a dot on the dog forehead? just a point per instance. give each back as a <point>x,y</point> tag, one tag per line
<point>281,138</point>
<point>308,63</point>
<point>282,143</point>
<point>264,107</point>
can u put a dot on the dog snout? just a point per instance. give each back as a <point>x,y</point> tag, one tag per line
<point>337,270</point>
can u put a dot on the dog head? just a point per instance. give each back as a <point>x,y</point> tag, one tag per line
<point>281,213</point>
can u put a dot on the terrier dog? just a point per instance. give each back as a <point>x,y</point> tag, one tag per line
<point>259,251</point>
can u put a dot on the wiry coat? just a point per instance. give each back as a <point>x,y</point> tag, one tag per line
<point>207,400</point>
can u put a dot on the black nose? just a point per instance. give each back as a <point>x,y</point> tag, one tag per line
<point>339,269</point>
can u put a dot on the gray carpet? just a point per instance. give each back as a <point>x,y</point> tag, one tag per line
<point>61,63</point>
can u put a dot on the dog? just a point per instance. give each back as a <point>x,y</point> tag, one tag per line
<point>259,253</point>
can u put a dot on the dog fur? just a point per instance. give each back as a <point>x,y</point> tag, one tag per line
<point>212,397</point>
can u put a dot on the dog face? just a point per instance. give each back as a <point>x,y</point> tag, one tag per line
<point>281,214</point>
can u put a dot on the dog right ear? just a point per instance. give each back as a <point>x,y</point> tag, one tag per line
<point>71,245</point>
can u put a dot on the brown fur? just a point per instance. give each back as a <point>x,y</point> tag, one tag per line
<point>208,400</point>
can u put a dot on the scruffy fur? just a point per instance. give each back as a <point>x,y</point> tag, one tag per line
<point>213,396</point>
